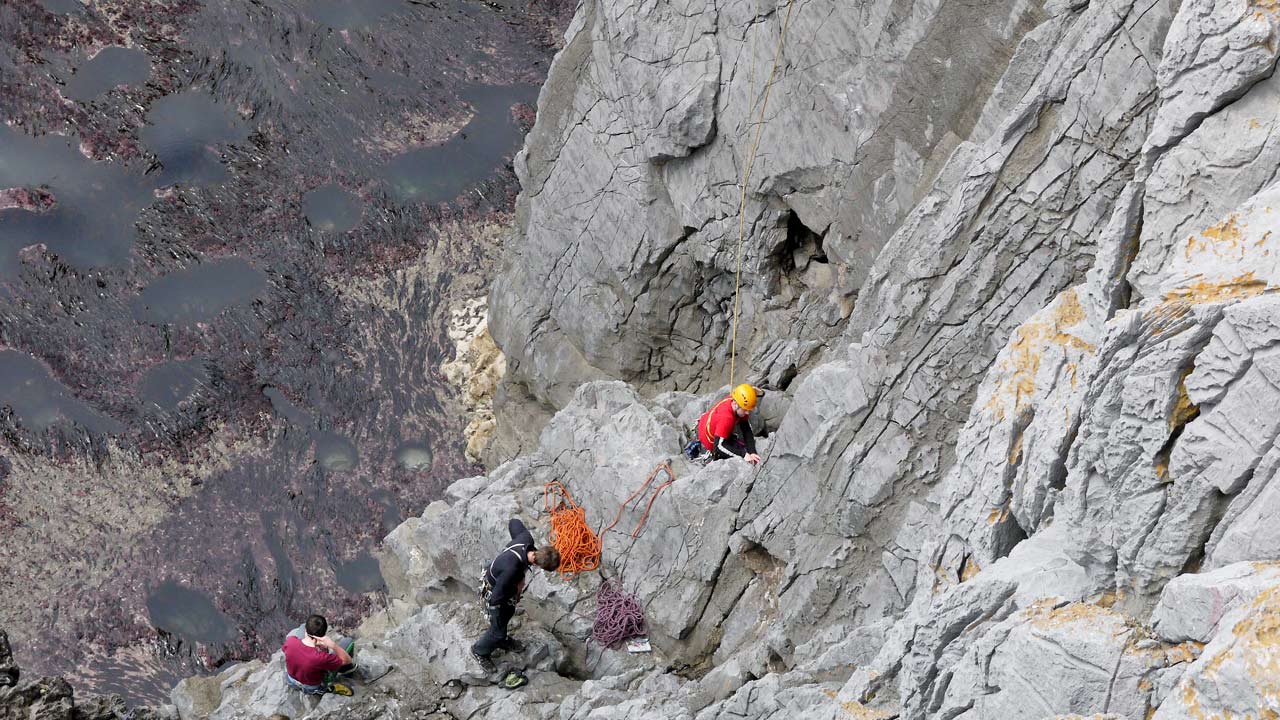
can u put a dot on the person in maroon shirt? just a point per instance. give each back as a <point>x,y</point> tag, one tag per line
<point>309,657</point>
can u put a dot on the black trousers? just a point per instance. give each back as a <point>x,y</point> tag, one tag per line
<point>496,636</point>
<point>735,442</point>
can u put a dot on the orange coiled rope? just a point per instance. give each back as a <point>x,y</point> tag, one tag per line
<point>570,534</point>
<point>662,467</point>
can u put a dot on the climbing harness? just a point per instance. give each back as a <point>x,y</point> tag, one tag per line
<point>746,178</point>
<point>570,534</point>
<point>485,589</point>
<point>664,466</point>
<point>619,616</point>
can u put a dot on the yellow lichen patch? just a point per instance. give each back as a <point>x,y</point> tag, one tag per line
<point>1047,614</point>
<point>1224,238</point>
<point>1254,124</point>
<point>1022,363</point>
<point>1206,291</point>
<point>1184,411</point>
<point>1255,648</point>
<point>1108,599</point>
<point>857,710</point>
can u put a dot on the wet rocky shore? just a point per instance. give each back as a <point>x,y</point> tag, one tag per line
<point>231,235</point>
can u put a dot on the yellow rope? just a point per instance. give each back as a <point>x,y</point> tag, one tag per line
<point>746,178</point>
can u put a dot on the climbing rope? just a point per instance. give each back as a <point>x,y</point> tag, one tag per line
<point>618,615</point>
<point>746,178</point>
<point>570,534</point>
<point>664,466</point>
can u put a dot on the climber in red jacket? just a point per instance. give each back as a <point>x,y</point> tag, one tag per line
<point>725,429</point>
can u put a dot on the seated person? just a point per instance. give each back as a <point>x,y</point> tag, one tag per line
<point>311,659</point>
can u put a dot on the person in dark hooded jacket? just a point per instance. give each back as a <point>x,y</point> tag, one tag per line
<point>505,580</point>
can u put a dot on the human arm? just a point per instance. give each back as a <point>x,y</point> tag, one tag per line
<point>520,534</point>
<point>338,656</point>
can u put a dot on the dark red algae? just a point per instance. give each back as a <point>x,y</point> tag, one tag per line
<point>226,267</point>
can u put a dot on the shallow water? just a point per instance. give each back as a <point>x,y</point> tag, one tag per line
<point>62,7</point>
<point>239,296</point>
<point>361,574</point>
<point>346,14</point>
<point>200,292</point>
<point>188,614</point>
<point>331,209</point>
<point>184,131</point>
<point>95,204</point>
<point>414,456</point>
<point>440,173</point>
<point>168,384</point>
<point>335,452</point>
<point>39,402</point>
<point>111,67</point>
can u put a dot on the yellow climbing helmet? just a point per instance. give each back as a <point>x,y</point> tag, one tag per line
<point>745,396</point>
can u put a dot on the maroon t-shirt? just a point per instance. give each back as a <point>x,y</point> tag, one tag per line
<point>308,665</point>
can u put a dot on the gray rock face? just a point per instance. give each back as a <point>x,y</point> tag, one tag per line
<point>1009,274</point>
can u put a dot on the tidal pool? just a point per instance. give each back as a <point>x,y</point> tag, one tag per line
<point>62,7</point>
<point>166,385</point>
<point>441,172</point>
<point>331,209</point>
<point>39,402</point>
<point>200,292</point>
<point>335,452</point>
<point>94,204</point>
<point>187,613</point>
<point>414,456</point>
<point>351,14</point>
<point>110,68</point>
<point>361,574</point>
<point>184,130</point>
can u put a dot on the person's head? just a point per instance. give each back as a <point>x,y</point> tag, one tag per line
<point>547,558</point>
<point>317,626</point>
<point>744,399</point>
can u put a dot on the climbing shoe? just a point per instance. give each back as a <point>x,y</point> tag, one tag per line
<point>340,689</point>
<point>513,645</point>
<point>486,664</point>
<point>693,450</point>
<point>513,680</point>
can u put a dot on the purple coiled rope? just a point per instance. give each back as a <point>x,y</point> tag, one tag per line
<point>618,615</point>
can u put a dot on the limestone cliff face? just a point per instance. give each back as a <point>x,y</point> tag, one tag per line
<point>1010,272</point>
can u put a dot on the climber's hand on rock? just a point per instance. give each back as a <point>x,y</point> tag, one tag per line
<point>753,458</point>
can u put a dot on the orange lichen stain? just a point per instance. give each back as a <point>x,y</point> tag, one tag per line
<point>1205,291</point>
<point>1015,453</point>
<point>1162,469</point>
<point>970,569</point>
<point>1047,614</point>
<point>1184,411</point>
<point>1254,124</point>
<point>998,515</point>
<point>855,709</point>
<point>1255,648</point>
<point>1223,238</point>
<point>1108,599</point>
<point>1029,342</point>
<point>1271,7</point>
